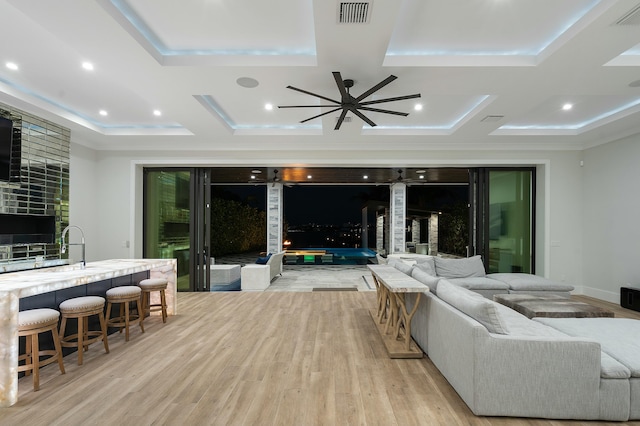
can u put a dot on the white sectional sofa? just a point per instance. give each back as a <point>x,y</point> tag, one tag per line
<point>503,364</point>
<point>469,273</point>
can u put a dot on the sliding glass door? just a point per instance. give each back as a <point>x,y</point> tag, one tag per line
<point>167,224</point>
<point>503,217</point>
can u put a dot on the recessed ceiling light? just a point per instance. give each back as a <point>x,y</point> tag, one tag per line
<point>12,66</point>
<point>157,112</point>
<point>268,107</point>
<point>421,171</point>
<point>418,107</point>
<point>256,171</point>
<point>103,113</point>
<point>567,107</point>
<point>87,66</point>
<point>253,177</point>
<point>309,176</point>
<point>421,176</point>
<point>365,177</point>
<point>247,82</point>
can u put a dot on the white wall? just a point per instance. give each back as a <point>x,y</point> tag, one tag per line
<point>116,181</point>
<point>83,201</point>
<point>611,224</point>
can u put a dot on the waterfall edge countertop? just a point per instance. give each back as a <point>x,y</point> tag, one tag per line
<point>17,285</point>
<point>42,280</point>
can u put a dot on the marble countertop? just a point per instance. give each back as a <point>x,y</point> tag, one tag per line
<point>38,281</point>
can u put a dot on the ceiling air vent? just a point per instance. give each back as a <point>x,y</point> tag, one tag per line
<point>354,12</point>
<point>492,118</point>
<point>632,17</point>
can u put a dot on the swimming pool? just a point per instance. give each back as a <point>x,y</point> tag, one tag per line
<point>329,256</point>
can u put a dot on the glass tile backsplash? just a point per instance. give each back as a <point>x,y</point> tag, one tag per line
<point>39,192</point>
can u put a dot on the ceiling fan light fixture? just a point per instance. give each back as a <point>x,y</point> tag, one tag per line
<point>349,103</point>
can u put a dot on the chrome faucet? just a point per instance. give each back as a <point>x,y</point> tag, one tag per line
<point>63,248</point>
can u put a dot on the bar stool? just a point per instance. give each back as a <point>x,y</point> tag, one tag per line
<point>123,295</point>
<point>30,324</point>
<point>154,284</point>
<point>81,308</point>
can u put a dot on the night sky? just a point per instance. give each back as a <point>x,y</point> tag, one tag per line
<point>326,205</point>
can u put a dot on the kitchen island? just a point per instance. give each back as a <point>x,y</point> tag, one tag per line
<point>18,286</point>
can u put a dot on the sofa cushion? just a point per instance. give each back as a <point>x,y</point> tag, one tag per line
<point>425,278</point>
<point>403,267</point>
<point>427,265</point>
<point>618,337</point>
<point>460,268</point>
<point>483,310</point>
<point>530,282</point>
<point>480,283</point>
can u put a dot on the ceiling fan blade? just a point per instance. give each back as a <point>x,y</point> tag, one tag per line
<point>312,94</point>
<point>376,87</point>
<point>320,115</point>
<point>341,119</point>
<point>306,106</point>
<point>341,87</point>
<point>397,98</point>
<point>363,117</point>
<point>385,111</point>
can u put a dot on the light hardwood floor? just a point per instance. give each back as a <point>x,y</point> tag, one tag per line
<point>243,358</point>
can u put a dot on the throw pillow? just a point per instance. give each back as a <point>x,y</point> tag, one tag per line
<point>477,307</point>
<point>428,267</point>
<point>460,268</point>
<point>403,267</point>
<point>263,260</point>
<point>425,278</point>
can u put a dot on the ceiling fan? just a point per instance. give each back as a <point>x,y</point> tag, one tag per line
<point>354,104</point>
<point>406,180</point>
<point>275,179</point>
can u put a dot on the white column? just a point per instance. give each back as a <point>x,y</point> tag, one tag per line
<point>398,196</point>
<point>274,218</point>
<point>380,233</point>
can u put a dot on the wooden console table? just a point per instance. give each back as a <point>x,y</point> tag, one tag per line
<point>391,312</point>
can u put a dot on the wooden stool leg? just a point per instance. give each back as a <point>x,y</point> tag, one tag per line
<point>163,301</point>
<point>103,327</point>
<point>58,348</point>
<point>108,314</point>
<point>140,313</point>
<point>80,340</point>
<point>27,354</point>
<point>35,361</point>
<point>126,319</point>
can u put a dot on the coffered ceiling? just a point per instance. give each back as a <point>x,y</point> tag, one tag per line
<point>516,74</point>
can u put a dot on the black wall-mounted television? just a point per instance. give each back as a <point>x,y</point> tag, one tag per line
<point>6,144</point>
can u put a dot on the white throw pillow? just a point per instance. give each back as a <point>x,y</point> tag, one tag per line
<point>427,266</point>
<point>473,304</point>
<point>403,267</point>
<point>460,268</point>
<point>426,279</point>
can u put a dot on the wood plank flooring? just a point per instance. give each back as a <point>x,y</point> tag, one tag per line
<point>243,358</point>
